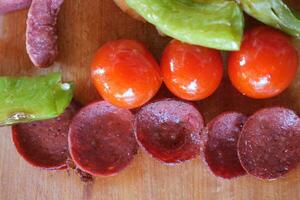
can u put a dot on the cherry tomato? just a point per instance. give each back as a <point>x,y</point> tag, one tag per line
<point>265,65</point>
<point>125,73</point>
<point>191,72</point>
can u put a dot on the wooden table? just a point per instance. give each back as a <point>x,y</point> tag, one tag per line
<point>83,26</point>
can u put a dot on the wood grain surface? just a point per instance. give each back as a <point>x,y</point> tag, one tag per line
<point>83,26</point>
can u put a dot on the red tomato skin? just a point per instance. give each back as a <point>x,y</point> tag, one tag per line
<point>265,65</point>
<point>125,73</point>
<point>191,72</point>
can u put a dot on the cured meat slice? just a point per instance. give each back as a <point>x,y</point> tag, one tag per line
<point>41,32</point>
<point>7,6</point>
<point>45,143</point>
<point>220,139</point>
<point>268,147</point>
<point>101,139</point>
<point>169,130</point>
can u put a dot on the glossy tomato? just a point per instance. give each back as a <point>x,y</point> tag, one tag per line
<point>191,72</point>
<point>265,65</point>
<point>125,73</point>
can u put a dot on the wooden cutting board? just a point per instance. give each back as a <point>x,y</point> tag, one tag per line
<point>83,26</point>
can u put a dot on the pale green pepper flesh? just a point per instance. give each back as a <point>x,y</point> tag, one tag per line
<point>26,99</point>
<point>216,23</point>
<point>274,13</point>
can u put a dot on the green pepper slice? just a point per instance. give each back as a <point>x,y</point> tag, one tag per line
<point>274,13</point>
<point>212,23</point>
<point>25,99</point>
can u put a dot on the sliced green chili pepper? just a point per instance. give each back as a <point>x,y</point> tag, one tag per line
<point>25,99</point>
<point>215,23</point>
<point>274,13</point>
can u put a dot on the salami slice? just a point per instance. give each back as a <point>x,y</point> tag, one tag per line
<point>7,6</point>
<point>169,130</point>
<point>41,32</point>
<point>45,143</point>
<point>101,139</point>
<point>268,147</point>
<point>220,144</point>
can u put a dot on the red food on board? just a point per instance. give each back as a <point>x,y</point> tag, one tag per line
<point>41,32</point>
<point>7,6</point>
<point>125,73</point>
<point>191,72</point>
<point>268,146</point>
<point>169,130</point>
<point>220,144</point>
<point>265,65</point>
<point>101,139</point>
<point>45,143</point>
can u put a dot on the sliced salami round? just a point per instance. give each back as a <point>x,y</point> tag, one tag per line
<point>101,139</point>
<point>268,147</point>
<point>169,130</point>
<point>45,143</point>
<point>220,138</point>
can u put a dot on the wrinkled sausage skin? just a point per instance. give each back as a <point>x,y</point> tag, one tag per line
<point>41,32</point>
<point>7,6</point>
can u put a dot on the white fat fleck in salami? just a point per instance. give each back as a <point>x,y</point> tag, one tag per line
<point>41,33</point>
<point>7,6</point>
